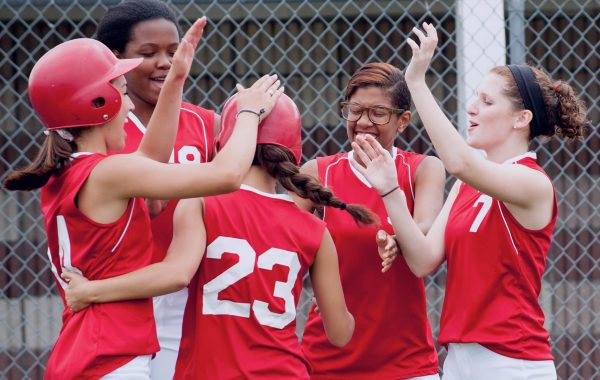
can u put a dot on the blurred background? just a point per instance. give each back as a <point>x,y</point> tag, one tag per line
<point>315,46</point>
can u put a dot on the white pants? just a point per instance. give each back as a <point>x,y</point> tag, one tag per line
<point>471,361</point>
<point>168,313</point>
<point>137,369</point>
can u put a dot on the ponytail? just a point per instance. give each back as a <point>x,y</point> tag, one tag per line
<point>565,110</point>
<point>280,163</point>
<point>52,156</point>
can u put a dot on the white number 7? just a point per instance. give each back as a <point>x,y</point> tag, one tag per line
<point>486,202</point>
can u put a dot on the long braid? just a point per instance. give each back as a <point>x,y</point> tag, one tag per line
<point>280,163</point>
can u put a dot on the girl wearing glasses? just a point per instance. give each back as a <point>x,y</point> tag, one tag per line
<point>495,228</point>
<point>392,339</point>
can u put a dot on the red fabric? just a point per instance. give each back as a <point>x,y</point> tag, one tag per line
<point>392,338</point>
<point>193,144</point>
<point>492,287</point>
<point>229,344</point>
<point>105,336</point>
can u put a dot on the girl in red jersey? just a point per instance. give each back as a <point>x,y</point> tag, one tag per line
<point>496,226</point>
<point>96,222</point>
<point>239,321</point>
<point>149,29</point>
<point>393,338</point>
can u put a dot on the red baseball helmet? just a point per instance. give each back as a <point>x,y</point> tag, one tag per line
<point>70,85</point>
<point>281,127</point>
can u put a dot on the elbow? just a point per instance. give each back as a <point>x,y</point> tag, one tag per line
<point>232,178</point>
<point>180,281</point>
<point>341,337</point>
<point>419,273</point>
<point>459,165</point>
<point>422,269</point>
<point>455,167</point>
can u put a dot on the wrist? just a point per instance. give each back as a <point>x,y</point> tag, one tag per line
<point>389,191</point>
<point>258,113</point>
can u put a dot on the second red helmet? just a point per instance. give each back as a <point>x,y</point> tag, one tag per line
<point>281,127</point>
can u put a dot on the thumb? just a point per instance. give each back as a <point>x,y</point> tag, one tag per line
<point>67,276</point>
<point>381,238</point>
<point>239,87</point>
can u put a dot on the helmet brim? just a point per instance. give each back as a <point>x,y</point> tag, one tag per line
<point>124,66</point>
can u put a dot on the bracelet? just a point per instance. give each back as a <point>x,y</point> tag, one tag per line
<point>389,192</point>
<point>259,113</point>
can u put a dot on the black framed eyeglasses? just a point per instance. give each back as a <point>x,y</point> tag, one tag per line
<point>377,115</point>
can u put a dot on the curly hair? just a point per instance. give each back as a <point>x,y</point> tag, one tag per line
<point>566,112</point>
<point>114,29</point>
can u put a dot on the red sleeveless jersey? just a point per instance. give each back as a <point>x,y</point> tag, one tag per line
<point>495,268</point>
<point>104,336</point>
<point>193,144</point>
<point>392,338</point>
<point>240,318</point>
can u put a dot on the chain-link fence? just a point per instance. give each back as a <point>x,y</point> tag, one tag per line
<point>315,46</point>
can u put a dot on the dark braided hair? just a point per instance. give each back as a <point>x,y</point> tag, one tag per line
<point>280,163</point>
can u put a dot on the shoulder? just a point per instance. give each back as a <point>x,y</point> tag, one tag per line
<point>431,165</point>
<point>310,167</point>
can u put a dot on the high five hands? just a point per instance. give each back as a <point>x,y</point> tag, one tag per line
<point>184,55</point>
<point>421,54</point>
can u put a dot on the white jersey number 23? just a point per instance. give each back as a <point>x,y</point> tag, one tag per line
<point>245,267</point>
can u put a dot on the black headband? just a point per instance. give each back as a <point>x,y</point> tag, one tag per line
<point>532,96</point>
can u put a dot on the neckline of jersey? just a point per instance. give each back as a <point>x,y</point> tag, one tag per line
<point>283,197</point>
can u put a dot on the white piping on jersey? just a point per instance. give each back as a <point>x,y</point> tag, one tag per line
<point>203,131</point>
<point>143,128</point>
<point>62,282</point>
<point>512,161</point>
<point>126,226</point>
<point>360,177</point>
<point>507,229</point>
<point>283,197</point>
<point>137,122</point>
<point>521,156</point>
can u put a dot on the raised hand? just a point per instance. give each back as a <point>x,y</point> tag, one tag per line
<point>379,168</point>
<point>421,54</point>
<point>75,292</point>
<point>184,55</point>
<point>261,96</point>
<point>387,249</point>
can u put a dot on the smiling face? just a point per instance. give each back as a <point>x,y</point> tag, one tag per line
<point>156,41</point>
<point>491,114</point>
<point>386,133</point>
<point>114,131</point>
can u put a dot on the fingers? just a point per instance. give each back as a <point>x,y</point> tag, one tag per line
<point>413,45</point>
<point>381,239</point>
<point>419,34</point>
<point>194,34</point>
<point>427,40</point>
<point>357,147</point>
<point>361,169</point>
<point>431,31</point>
